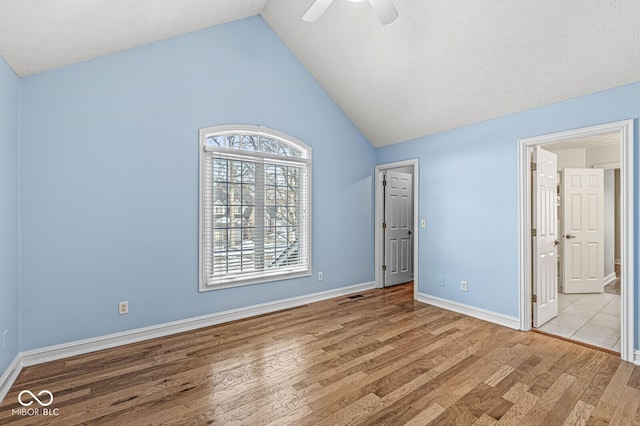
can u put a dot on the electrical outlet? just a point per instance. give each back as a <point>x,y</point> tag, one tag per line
<point>463,285</point>
<point>123,308</point>
<point>441,282</point>
<point>320,276</point>
<point>4,340</point>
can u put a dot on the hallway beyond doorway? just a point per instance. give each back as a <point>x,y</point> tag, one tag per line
<point>593,319</point>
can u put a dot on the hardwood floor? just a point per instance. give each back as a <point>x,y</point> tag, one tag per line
<point>378,359</point>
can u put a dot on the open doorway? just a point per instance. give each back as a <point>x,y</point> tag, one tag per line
<point>589,297</point>
<point>396,239</point>
<point>589,150</point>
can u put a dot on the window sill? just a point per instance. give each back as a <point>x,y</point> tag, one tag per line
<point>251,281</point>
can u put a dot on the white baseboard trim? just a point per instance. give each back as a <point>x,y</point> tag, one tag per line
<point>472,311</point>
<point>636,358</point>
<point>10,376</point>
<point>610,278</point>
<point>80,347</point>
<point>52,353</point>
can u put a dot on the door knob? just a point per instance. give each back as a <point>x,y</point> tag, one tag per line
<point>409,232</point>
<point>556,243</point>
<point>569,236</point>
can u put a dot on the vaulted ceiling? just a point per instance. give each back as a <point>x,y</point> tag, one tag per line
<point>442,64</point>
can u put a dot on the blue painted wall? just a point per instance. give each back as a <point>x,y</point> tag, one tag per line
<point>109,185</point>
<point>109,180</point>
<point>469,196</point>
<point>9,136</point>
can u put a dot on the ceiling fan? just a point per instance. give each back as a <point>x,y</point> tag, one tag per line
<point>384,9</point>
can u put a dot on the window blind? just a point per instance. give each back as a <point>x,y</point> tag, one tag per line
<point>255,206</point>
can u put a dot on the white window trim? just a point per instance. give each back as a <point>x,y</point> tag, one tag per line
<point>261,277</point>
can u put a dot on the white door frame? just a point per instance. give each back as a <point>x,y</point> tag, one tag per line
<point>627,172</point>
<point>379,218</point>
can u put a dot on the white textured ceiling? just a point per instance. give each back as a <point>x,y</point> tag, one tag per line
<point>591,142</point>
<point>39,35</point>
<point>447,63</point>
<point>442,64</point>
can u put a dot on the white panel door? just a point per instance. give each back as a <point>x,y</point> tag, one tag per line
<point>398,217</point>
<point>545,241</point>
<point>583,226</point>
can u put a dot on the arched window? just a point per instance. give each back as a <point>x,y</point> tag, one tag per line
<point>255,208</point>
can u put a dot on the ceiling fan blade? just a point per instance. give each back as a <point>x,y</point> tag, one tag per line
<point>385,10</point>
<point>316,9</point>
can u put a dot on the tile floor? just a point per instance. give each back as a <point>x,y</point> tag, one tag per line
<point>589,318</point>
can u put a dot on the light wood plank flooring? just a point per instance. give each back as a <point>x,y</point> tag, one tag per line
<point>378,359</point>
